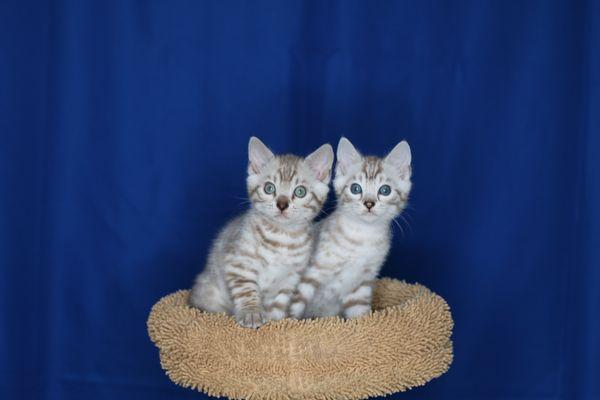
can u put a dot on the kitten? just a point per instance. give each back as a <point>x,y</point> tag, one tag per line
<point>256,260</point>
<point>353,242</point>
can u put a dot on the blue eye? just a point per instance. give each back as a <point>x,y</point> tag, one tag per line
<point>355,188</point>
<point>385,190</point>
<point>269,188</point>
<point>300,191</point>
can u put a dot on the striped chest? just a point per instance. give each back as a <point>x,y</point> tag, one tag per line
<point>282,246</point>
<point>286,254</point>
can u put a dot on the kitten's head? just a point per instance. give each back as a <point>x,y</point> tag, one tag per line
<point>288,188</point>
<point>371,188</point>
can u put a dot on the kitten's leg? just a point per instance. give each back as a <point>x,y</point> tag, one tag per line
<point>358,302</point>
<point>278,308</point>
<point>207,293</point>
<point>305,292</point>
<point>207,297</point>
<point>242,283</point>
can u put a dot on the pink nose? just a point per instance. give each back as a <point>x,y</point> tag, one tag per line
<point>283,203</point>
<point>369,204</point>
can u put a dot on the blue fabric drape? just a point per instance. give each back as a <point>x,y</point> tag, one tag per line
<point>123,134</point>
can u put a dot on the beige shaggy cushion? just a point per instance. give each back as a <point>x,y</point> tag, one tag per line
<point>403,343</point>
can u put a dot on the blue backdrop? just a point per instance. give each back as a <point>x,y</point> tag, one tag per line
<point>124,128</point>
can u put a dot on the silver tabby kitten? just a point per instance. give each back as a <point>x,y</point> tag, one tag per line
<point>256,260</point>
<point>353,242</point>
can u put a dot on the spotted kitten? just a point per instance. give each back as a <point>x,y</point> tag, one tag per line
<point>353,242</point>
<point>256,261</point>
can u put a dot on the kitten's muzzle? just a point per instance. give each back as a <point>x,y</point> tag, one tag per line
<point>283,203</point>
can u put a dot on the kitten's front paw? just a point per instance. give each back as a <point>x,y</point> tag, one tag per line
<point>297,310</point>
<point>251,317</point>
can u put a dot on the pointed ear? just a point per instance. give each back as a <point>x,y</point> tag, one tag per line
<point>258,155</point>
<point>320,162</point>
<point>346,155</point>
<point>399,159</point>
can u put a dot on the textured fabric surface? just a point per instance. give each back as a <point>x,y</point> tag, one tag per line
<point>404,344</point>
<point>123,134</point>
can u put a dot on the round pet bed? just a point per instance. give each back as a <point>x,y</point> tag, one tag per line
<point>403,343</point>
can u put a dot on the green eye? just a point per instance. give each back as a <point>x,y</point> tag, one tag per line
<point>269,188</point>
<point>355,188</point>
<point>300,191</point>
<point>385,190</point>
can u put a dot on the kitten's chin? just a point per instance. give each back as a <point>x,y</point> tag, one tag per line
<point>285,219</point>
<point>370,214</point>
<point>371,218</point>
<point>282,218</point>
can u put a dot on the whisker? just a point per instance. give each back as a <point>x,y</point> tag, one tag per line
<point>409,207</point>
<point>239,198</point>
<point>406,222</point>
<point>406,214</point>
<point>399,226</point>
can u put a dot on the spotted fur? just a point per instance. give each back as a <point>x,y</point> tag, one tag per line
<point>256,260</point>
<point>353,242</point>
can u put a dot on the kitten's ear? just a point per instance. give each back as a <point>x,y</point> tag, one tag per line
<point>399,159</point>
<point>258,155</point>
<point>320,162</point>
<point>346,155</point>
